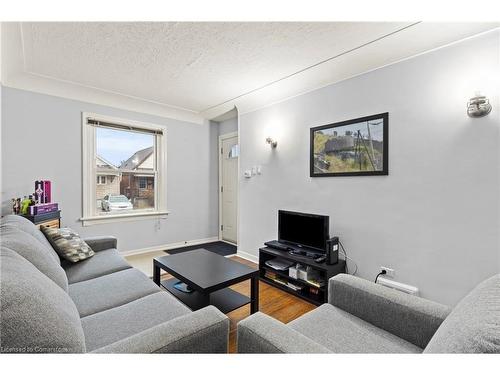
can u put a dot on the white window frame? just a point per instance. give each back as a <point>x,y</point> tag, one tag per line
<point>100,179</point>
<point>89,216</point>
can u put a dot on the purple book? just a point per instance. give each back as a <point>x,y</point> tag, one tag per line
<point>45,208</point>
<point>43,191</point>
<point>47,192</point>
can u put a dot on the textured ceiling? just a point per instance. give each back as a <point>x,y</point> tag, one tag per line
<point>201,70</point>
<point>189,65</point>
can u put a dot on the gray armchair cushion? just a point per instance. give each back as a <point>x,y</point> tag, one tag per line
<point>100,243</point>
<point>342,332</point>
<point>260,333</point>
<point>412,318</point>
<point>104,262</point>
<point>37,254</point>
<point>474,324</point>
<point>203,331</point>
<point>108,291</point>
<point>36,314</point>
<point>23,224</point>
<point>116,324</point>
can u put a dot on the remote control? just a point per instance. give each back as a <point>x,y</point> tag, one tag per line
<point>321,259</point>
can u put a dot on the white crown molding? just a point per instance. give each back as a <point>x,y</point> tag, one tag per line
<point>426,37</point>
<point>15,75</point>
<point>384,51</point>
<point>30,82</point>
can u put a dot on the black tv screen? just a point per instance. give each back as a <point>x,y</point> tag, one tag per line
<point>306,230</point>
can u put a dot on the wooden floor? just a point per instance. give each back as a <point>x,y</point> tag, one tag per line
<point>272,301</point>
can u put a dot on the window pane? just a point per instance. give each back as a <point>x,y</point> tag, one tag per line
<point>125,171</point>
<point>234,152</point>
<point>139,189</point>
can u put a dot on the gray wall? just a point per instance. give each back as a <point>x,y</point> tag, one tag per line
<point>41,138</point>
<point>228,126</point>
<point>435,218</point>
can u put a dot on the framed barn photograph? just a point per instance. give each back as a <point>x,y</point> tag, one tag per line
<point>358,147</point>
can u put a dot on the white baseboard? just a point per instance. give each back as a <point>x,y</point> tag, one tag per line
<point>228,242</point>
<point>173,245</point>
<point>247,256</point>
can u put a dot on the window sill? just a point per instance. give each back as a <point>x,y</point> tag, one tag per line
<point>105,219</point>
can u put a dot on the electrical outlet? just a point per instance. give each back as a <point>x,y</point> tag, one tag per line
<point>388,271</point>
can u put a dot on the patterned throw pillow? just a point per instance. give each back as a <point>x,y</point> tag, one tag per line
<point>68,244</point>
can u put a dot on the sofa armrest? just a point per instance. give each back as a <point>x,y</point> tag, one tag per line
<point>101,243</point>
<point>412,318</point>
<point>203,331</point>
<point>260,333</point>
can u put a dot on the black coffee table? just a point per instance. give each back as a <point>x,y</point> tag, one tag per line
<point>210,275</point>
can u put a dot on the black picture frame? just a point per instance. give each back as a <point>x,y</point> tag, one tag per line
<point>315,165</point>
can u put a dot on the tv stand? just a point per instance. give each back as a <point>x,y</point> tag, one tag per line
<point>315,294</point>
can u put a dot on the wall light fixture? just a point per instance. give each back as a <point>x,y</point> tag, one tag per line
<point>272,142</point>
<point>478,106</point>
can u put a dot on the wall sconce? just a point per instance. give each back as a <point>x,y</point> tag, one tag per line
<point>478,106</point>
<point>272,142</point>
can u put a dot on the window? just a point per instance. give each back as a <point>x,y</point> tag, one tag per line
<point>234,152</point>
<point>124,169</point>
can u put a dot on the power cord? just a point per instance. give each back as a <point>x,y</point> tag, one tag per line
<point>346,258</point>
<point>383,272</point>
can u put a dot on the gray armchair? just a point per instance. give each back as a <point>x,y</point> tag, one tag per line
<point>363,317</point>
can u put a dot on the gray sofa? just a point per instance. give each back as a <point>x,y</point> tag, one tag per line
<point>99,305</point>
<point>363,317</point>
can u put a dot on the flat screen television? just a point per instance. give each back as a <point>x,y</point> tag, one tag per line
<point>308,231</point>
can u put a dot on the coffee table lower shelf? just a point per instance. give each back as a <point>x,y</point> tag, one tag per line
<point>226,300</point>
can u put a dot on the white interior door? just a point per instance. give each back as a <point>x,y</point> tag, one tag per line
<point>229,188</point>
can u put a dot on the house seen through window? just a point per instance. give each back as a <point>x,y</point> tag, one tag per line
<point>126,170</point>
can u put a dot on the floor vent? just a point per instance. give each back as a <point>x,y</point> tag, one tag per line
<point>405,288</point>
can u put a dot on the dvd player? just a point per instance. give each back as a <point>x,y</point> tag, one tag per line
<point>292,250</point>
<point>277,245</point>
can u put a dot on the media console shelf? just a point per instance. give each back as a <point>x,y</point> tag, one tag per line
<point>309,292</point>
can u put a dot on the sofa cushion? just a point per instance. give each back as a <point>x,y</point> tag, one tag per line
<point>342,332</point>
<point>102,263</point>
<point>23,224</point>
<point>36,253</point>
<point>473,326</point>
<point>37,315</point>
<point>68,244</point>
<point>411,318</point>
<point>120,322</point>
<point>108,291</point>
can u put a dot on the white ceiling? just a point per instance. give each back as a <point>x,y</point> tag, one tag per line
<point>201,70</point>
